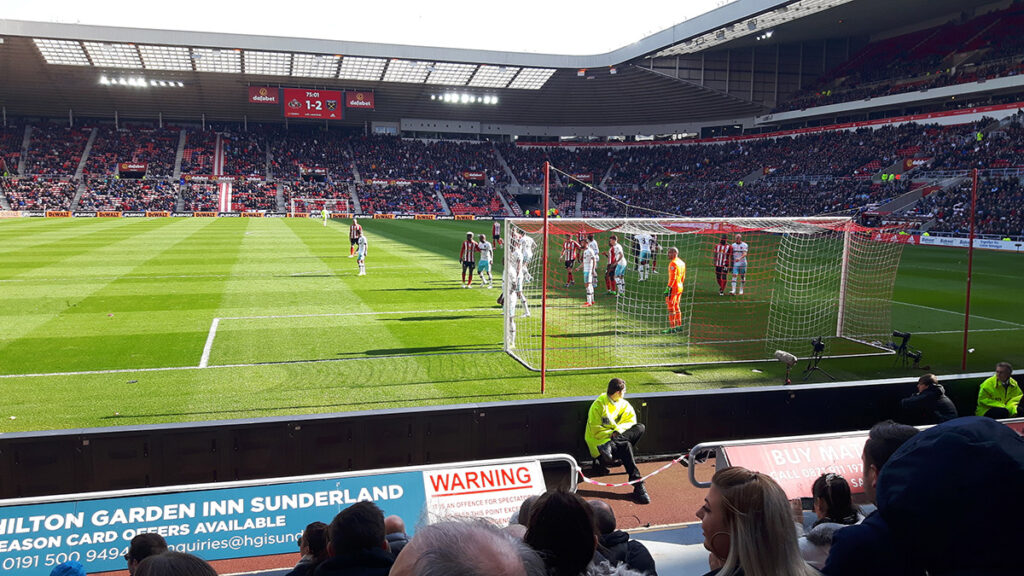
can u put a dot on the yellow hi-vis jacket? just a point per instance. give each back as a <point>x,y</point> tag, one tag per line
<point>606,417</point>
<point>992,394</point>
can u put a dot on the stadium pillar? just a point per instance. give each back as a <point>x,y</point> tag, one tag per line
<point>71,118</point>
<point>544,288</point>
<point>160,119</point>
<point>5,116</point>
<point>116,126</point>
<point>970,265</point>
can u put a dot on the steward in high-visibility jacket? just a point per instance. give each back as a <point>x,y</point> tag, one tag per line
<point>606,417</point>
<point>612,432</point>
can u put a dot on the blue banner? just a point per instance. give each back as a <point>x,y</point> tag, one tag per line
<point>213,524</point>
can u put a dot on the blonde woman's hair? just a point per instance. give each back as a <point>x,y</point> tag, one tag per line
<point>762,535</point>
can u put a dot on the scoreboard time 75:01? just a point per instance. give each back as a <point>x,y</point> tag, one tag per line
<point>303,103</point>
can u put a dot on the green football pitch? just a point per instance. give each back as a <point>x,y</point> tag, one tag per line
<point>109,322</point>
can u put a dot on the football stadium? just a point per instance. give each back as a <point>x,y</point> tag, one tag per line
<point>737,295</point>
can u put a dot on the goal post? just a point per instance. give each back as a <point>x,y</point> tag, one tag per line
<point>303,205</point>
<point>803,278</point>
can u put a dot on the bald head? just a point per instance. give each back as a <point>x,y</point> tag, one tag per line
<point>394,524</point>
<point>441,549</point>
<point>604,517</point>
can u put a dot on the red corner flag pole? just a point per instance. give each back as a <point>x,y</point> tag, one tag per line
<point>544,290</point>
<point>970,264</point>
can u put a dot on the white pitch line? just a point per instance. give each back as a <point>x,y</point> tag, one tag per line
<point>959,313</point>
<point>205,360</point>
<point>337,314</point>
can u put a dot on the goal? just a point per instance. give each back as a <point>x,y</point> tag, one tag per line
<point>315,205</point>
<point>805,278</point>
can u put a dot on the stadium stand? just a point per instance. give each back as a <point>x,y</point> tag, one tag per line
<point>417,198</point>
<point>198,154</point>
<point>295,148</point>
<point>254,196</point>
<point>128,195</point>
<point>389,157</point>
<point>982,48</point>
<point>42,194</point>
<point>55,150</point>
<point>11,138</point>
<point>156,147</point>
<point>244,154</point>
<point>200,197</point>
<point>475,200</point>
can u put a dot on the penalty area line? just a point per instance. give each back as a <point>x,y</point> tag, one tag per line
<point>204,361</point>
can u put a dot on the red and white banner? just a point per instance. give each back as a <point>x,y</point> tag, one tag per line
<point>264,95</point>
<point>474,176</point>
<point>302,103</point>
<point>909,163</point>
<point>795,465</point>
<point>362,100</point>
<point>492,492</point>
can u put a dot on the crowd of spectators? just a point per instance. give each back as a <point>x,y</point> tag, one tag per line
<point>244,154</point>
<point>254,196</point>
<point>157,147</point>
<point>986,47</point>
<point>200,197</point>
<point>999,211</point>
<point>11,139</point>
<point>391,157</point>
<point>417,198</point>
<point>527,162</point>
<point>40,194</point>
<point>128,195</point>
<point>55,149</point>
<point>475,200</point>
<point>200,148</point>
<point>325,149</point>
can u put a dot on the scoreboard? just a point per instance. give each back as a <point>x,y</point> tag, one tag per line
<point>303,103</point>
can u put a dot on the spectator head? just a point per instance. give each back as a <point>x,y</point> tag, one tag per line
<point>356,528</point>
<point>832,500</point>
<point>746,520</point>
<point>1003,371</point>
<point>561,529</point>
<point>615,386</point>
<point>70,568</point>
<point>143,546</point>
<point>466,548</point>
<point>524,510</point>
<point>883,441</point>
<point>394,525</point>
<point>314,540</point>
<point>604,516</point>
<point>174,563</point>
<point>926,381</point>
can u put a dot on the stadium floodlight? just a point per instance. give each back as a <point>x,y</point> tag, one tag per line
<point>62,52</point>
<point>493,76</point>
<point>268,63</point>
<point>104,81</point>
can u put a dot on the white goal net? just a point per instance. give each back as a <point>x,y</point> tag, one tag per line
<point>785,281</point>
<point>315,205</point>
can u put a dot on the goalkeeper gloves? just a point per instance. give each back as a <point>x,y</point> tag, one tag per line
<point>667,291</point>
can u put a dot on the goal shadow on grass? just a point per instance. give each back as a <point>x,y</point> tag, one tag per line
<point>423,351</point>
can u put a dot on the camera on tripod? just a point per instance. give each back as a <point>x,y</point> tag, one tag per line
<point>818,346</point>
<point>818,350</point>
<point>904,353</point>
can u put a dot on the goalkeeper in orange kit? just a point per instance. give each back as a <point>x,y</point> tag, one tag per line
<point>674,291</point>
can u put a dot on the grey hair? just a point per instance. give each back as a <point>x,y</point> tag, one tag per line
<point>472,548</point>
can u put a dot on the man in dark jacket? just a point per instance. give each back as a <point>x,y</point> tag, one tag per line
<point>929,405</point>
<point>356,543</point>
<point>615,545</point>
<point>394,527</point>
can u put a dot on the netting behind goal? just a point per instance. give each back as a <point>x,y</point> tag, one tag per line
<point>804,278</point>
<point>309,205</point>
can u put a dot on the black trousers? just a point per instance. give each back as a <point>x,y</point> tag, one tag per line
<point>622,449</point>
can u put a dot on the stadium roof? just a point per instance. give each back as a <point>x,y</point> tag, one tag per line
<point>49,69</point>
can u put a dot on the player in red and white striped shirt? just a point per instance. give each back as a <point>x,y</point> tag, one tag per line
<point>570,252</point>
<point>468,258</point>
<point>722,259</point>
